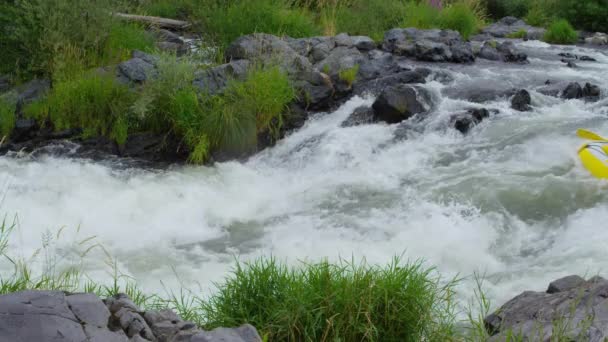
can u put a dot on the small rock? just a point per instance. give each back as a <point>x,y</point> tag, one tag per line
<point>343,39</point>
<point>571,64</point>
<point>363,43</point>
<point>245,333</point>
<point>587,59</point>
<point>464,122</point>
<point>572,91</point>
<point>488,51</point>
<point>120,301</point>
<point>401,102</point>
<point>567,55</point>
<point>565,284</point>
<point>510,53</point>
<point>521,101</point>
<point>137,70</point>
<point>361,116</point>
<point>591,91</point>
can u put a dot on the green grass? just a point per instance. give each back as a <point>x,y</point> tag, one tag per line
<point>561,32</point>
<point>459,17</point>
<point>96,103</point>
<point>7,118</point>
<point>420,15</point>
<point>366,17</point>
<point>521,34</point>
<point>344,301</point>
<point>349,75</point>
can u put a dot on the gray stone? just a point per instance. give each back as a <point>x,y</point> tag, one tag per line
<point>137,70</point>
<point>428,45</point>
<point>591,91</point>
<point>572,91</point>
<point>464,122</point>
<point>401,102</point>
<point>119,302</point>
<point>38,316</point>
<point>377,85</point>
<point>245,333</point>
<point>344,39</point>
<point>148,58</point>
<point>597,39</point>
<point>580,307</point>
<point>509,25</point>
<point>488,51</point>
<point>133,323</point>
<point>361,116</point>
<point>510,53</point>
<point>153,317</point>
<point>97,334</point>
<point>340,58</point>
<point>169,36</point>
<point>364,43</point>
<point>565,284</point>
<point>214,80</point>
<point>521,101</point>
<point>322,49</point>
<point>89,309</point>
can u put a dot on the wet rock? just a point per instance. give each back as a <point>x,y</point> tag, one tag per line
<point>591,91</point>
<point>572,91</point>
<point>30,92</point>
<point>571,64</point>
<point>510,53</point>
<point>579,307</point>
<point>509,25</point>
<point>565,284</point>
<point>428,45</point>
<point>464,122</point>
<point>597,39</point>
<point>24,129</point>
<point>587,59</point>
<point>488,51</point>
<point>521,101</point>
<point>89,309</point>
<point>567,55</point>
<point>322,49</point>
<point>480,92</point>
<point>245,333</point>
<point>214,80</point>
<point>361,116</point>
<point>376,86</point>
<point>401,102</point>
<point>343,39</point>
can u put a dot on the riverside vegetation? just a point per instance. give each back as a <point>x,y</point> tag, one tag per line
<point>401,301</point>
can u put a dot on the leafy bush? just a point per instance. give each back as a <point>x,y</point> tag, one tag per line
<point>225,22</point>
<point>7,118</point>
<point>334,302</point>
<point>498,9</point>
<point>590,15</point>
<point>420,15</point>
<point>459,17</point>
<point>561,32</point>
<point>369,17</point>
<point>93,102</point>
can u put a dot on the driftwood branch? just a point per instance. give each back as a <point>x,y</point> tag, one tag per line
<point>156,21</point>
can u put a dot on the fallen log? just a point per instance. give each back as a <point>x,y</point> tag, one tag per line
<point>156,21</point>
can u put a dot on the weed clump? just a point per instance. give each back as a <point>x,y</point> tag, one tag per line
<point>561,32</point>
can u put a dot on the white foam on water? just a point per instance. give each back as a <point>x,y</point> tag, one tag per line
<point>510,200</point>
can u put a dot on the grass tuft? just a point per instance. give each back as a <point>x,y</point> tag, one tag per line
<point>521,34</point>
<point>349,75</point>
<point>7,119</point>
<point>561,32</point>
<point>459,17</point>
<point>344,301</point>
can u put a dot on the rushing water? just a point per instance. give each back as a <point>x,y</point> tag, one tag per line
<point>510,200</point>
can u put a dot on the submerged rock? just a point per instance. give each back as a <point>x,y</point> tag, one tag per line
<point>401,102</point>
<point>572,91</point>
<point>49,316</point>
<point>574,307</point>
<point>464,122</point>
<point>521,101</point>
<point>360,116</point>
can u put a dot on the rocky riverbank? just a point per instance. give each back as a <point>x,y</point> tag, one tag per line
<point>390,70</point>
<point>45,316</point>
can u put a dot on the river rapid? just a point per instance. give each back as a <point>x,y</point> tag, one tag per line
<point>510,200</point>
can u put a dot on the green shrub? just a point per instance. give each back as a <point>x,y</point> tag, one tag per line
<point>538,14</point>
<point>561,32</point>
<point>349,75</point>
<point>369,17</point>
<point>590,15</point>
<point>521,34</point>
<point>96,103</point>
<point>7,118</point>
<point>225,22</point>
<point>168,8</point>
<point>459,17</point>
<point>122,39</point>
<point>420,15</point>
<point>334,302</point>
<point>498,9</point>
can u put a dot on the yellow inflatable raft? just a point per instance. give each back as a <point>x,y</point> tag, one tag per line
<point>594,156</point>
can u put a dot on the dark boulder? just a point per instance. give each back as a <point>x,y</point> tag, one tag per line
<point>521,101</point>
<point>464,122</point>
<point>510,25</point>
<point>591,91</point>
<point>489,51</point>
<point>340,59</point>
<point>376,86</point>
<point>578,306</point>
<point>136,70</point>
<point>587,59</point>
<point>428,45</point>
<point>572,91</point>
<point>361,116</point>
<point>510,53</point>
<point>401,102</point>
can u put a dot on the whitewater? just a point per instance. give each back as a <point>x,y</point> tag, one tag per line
<point>509,201</point>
